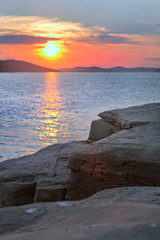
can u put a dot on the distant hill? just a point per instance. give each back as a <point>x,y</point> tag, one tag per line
<point>83,69</point>
<point>21,66</point>
<point>115,69</point>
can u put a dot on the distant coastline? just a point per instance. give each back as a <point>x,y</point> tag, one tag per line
<point>21,66</point>
<point>114,69</point>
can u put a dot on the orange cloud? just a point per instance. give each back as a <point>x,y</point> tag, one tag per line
<point>40,27</point>
<point>82,46</point>
<point>46,27</point>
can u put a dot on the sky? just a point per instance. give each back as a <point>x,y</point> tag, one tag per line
<point>69,33</point>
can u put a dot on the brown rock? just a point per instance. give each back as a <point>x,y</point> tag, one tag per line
<point>48,192</point>
<point>16,193</point>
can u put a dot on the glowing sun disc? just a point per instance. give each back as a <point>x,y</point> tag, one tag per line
<point>51,49</point>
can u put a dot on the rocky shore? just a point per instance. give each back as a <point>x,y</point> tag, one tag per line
<point>120,160</point>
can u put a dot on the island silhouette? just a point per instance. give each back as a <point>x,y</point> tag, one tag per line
<point>22,66</point>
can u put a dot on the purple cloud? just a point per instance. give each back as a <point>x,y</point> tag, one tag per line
<point>24,39</point>
<point>107,38</point>
<point>153,59</point>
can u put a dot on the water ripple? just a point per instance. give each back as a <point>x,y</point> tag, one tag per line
<point>39,109</point>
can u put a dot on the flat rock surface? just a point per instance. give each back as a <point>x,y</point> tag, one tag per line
<point>120,213</point>
<point>136,114</point>
<point>128,157</point>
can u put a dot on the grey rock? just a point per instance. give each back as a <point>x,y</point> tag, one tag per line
<point>128,157</point>
<point>38,177</point>
<point>119,119</point>
<point>122,213</point>
<point>134,194</point>
<point>132,116</point>
<point>100,129</point>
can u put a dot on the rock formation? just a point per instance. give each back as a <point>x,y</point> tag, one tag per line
<point>128,154</point>
<point>121,213</point>
<point>124,151</point>
<point>122,155</point>
<point>38,177</point>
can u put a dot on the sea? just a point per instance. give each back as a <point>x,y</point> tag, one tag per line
<point>40,109</point>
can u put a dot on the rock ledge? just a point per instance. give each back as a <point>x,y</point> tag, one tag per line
<point>129,154</point>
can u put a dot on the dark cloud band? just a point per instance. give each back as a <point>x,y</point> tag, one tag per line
<point>99,39</point>
<point>24,39</point>
<point>153,59</point>
<point>107,38</point>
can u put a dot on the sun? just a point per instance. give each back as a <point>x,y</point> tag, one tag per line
<point>51,49</point>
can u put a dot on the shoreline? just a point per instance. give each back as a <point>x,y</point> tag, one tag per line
<point>117,168</point>
<point>119,137</point>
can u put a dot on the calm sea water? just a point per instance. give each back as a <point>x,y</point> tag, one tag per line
<point>39,109</point>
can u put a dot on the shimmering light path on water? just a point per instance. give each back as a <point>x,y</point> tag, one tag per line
<point>39,109</point>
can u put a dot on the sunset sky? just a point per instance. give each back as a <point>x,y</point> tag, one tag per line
<point>69,33</point>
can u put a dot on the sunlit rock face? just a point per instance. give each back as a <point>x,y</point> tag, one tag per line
<point>129,156</point>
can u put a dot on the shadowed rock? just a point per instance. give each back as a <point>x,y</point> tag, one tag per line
<point>38,177</point>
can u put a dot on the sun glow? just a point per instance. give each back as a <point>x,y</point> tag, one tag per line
<point>51,49</point>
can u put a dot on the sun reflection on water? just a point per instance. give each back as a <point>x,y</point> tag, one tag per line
<point>51,124</point>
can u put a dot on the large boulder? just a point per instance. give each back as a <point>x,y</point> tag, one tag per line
<point>122,213</point>
<point>38,177</point>
<point>128,157</point>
